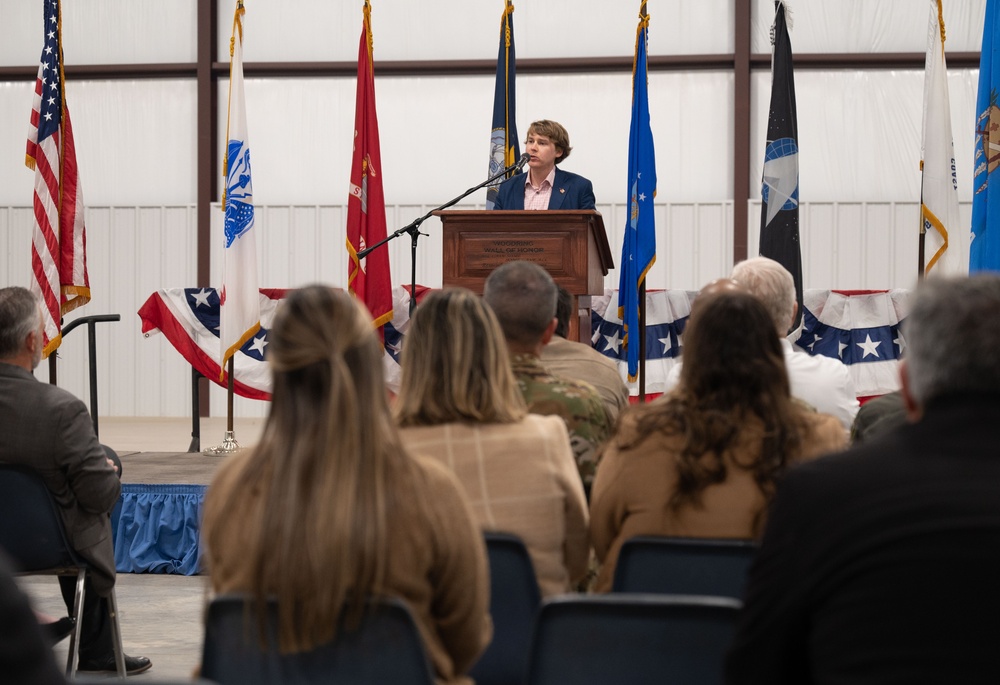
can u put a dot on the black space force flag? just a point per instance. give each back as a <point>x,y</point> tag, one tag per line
<point>779,211</point>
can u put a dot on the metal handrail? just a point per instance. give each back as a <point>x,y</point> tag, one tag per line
<point>91,322</point>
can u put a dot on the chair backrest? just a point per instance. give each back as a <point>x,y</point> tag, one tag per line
<point>683,566</point>
<point>635,639</point>
<point>514,602</point>
<point>386,648</point>
<point>32,531</point>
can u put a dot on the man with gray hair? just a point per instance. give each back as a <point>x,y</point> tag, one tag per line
<point>523,297</point>
<point>823,383</point>
<point>49,431</point>
<point>880,564</point>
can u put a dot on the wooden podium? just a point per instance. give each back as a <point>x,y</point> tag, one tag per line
<point>571,245</point>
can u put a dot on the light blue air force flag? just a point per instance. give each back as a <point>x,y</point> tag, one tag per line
<point>239,316</point>
<point>639,244</point>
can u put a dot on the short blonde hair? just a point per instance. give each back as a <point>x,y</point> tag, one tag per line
<point>455,365</point>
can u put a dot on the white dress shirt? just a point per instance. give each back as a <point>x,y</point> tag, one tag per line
<point>819,381</point>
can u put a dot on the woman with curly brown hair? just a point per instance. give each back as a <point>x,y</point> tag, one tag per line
<point>331,508</point>
<point>702,460</point>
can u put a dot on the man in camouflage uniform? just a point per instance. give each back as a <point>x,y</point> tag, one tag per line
<point>523,296</point>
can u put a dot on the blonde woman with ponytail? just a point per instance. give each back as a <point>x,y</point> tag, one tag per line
<point>330,508</point>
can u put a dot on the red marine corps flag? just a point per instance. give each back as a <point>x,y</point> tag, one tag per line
<point>59,243</point>
<point>369,281</point>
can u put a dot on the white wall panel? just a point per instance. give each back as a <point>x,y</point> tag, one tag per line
<point>434,134</point>
<point>135,141</point>
<point>102,31</point>
<point>860,132</point>
<point>297,30</point>
<point>864,245</point>
<point>16,180</point>
<point>869,25</point>
<point>134,251</point>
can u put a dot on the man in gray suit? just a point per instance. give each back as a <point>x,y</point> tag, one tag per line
<point>47,429</point>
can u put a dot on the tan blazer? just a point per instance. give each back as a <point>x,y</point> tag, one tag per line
<point>579,362</point>
<point>439,566</point>
<point>633,487</point>
<point>520,478</point>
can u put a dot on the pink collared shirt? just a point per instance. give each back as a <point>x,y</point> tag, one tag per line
<point>538,198</point>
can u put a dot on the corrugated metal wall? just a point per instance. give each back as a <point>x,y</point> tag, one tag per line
<point>134,251</point>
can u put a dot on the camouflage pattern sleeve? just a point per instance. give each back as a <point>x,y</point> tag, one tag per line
<point>580,406</point>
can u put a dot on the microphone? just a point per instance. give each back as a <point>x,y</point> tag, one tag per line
<point>521,162</point>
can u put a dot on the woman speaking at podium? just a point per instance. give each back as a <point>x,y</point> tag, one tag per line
<point>545,186</point>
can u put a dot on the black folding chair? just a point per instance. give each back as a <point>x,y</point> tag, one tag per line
<point>683,566</point>
<point>634,639</point>
<point>514,602</point>
<point>386,648</point>
<point>33,535</point>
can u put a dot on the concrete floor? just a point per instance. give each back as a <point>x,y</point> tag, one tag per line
<point>161,615</point>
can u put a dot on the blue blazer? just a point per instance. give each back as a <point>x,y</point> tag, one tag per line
<point>569,191</point>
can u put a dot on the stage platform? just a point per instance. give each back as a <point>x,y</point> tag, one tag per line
<point>156,522</point>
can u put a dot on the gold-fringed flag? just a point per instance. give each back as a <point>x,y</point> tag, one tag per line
<point>639,241</point>
<point>984,250</point>
<point>779,209</point>
<point>938,180</point>
<point>368,280</point>
<point>239,313</point>
<point>504,146</point>
<point>59,240</point>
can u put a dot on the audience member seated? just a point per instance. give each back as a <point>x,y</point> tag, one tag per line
<point>523,297</point>
<point>459,402</point>
<point>877,416</point>
<point>49,430</point>
<point>330,508</point>
<point>819,381</point>
<point>880,565</point>
<point>25,658</point>
<point>572,359</point>
<point>701,461</point>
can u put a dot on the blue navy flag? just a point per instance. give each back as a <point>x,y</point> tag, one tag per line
<point>779,211</point>
<point>504,147</point>
<point>639,244</point>
<point>984,251</point>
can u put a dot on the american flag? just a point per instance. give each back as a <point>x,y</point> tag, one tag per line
<point>59,243</point>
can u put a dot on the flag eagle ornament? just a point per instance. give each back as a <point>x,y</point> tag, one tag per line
<point>369,281</point>
<point>504,146</point>
<point>239,315</point>
<point>984,250</point>
<point>938,182</point>
<point>639,243</point>
<point>59,239</point>
<point>779,210</point>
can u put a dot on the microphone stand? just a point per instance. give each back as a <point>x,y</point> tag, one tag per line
<point>413,228</point>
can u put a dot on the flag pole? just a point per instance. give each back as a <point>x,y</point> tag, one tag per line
<point>229,444</point>
<point>921,241</point>
<point>241,323</point>
<point>642,342</point>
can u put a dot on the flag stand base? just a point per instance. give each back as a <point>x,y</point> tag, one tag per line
<point>228,446</point>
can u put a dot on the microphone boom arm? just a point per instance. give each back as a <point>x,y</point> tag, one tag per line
<point>413,228</point>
